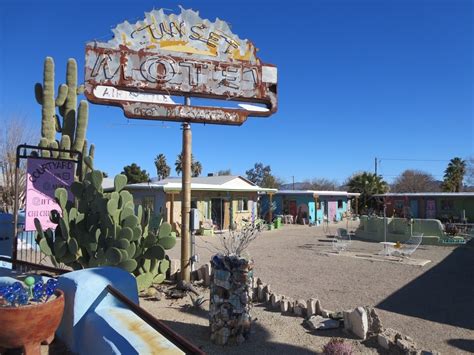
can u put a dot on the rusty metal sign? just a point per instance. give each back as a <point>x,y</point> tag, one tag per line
<point>180,55</point>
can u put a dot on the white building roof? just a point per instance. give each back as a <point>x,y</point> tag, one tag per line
<point>207,183</point>
<point>430,194</point>
<point>318,193</point>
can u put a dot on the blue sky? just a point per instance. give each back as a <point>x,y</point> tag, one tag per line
<point>357,80</point>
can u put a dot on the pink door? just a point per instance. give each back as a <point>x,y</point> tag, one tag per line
<point>332,210</point>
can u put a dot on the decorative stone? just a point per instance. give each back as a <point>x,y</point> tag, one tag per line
<point>318,307</point>
<point>321,323</point>
<point>375,324</point>
<point>311,306</point>
<point>386,338</point>
<point>206,273</point>
<point>275,300</point>
<point>284,306</point>
<point>267,297</point>
<point>260,295</point>
<point>407,345</point>
<point>200,275</point>
<point>267,293</point>
<point>357,322</point>
<point>336,315</point>
<point>325,313</point>
<point>230,299</point>
<point>300,308</point>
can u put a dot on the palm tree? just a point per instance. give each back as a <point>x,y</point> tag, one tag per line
<point>196,166</point>
<point>454,175</point>
<point>367,184</point>
<point>178,164</point>
<point>162,169</point>
<point>196,169</point>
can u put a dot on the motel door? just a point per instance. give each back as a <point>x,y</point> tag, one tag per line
<point>311,214</point>
<point>217,215</point>
<point>332,210</point>
<point>292,208</point>
<point>430,209</point>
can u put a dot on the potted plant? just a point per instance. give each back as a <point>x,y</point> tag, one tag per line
<point>29,314</point>
<point>231,287</point>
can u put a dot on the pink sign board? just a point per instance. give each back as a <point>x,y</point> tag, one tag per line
<point>43,177</point>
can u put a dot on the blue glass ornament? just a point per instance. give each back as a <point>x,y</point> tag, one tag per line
<point>23,298</point>
<point>10,297</point>
<point>3,290</point>
<point>52,283</point>
<point>38,291</point>
<point>17,287</point>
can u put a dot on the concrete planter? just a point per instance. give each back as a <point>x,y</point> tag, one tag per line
<point>230,299</point>
<point>28,326</point>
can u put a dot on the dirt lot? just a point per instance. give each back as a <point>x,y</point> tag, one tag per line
<point>431,303</point>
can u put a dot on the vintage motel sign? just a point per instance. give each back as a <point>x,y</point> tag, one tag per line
<point>179,55</point>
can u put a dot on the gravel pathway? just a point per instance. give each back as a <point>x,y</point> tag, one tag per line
<point>431,303</point>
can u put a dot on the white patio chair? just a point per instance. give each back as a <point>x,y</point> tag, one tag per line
<point>342,240</point>
<point>409,247</point>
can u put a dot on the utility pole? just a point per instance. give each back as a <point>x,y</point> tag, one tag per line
<point>293,182</point>
<point>186,200</point>
<point>375,165</point>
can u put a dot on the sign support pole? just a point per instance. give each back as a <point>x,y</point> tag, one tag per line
<point>15,211</point>
<point>186,200</point>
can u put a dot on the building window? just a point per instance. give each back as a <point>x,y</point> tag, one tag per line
<point>194,204</point>
<point>447,205</point>
<point>339,203</point>
<point>148,202</point>
<point>243,205</point>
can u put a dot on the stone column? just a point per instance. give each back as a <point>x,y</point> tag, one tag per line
<point>230,299</point>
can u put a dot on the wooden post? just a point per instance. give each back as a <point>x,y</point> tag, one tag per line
<point>270,212</point>
<point>315,209</point>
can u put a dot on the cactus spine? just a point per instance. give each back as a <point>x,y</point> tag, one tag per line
<point>103,229</point>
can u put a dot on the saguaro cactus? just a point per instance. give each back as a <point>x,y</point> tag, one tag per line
<point>103,229</point>
<point>75,119</point>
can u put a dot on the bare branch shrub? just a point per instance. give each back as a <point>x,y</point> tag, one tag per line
<point>238,240</point>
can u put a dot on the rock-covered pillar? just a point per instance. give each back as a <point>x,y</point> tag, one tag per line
<point>230,299</point>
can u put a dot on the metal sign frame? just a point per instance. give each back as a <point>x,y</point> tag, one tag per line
<point>181,55</point>
<point>23,155</point>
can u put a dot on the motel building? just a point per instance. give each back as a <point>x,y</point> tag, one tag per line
<point>310,206</point>
<point>222,201</point>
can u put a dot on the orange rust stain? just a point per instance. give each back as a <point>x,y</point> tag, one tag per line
<point>157,343</point>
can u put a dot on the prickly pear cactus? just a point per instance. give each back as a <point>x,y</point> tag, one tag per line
<point>74,124</point>
<point>101,229</point>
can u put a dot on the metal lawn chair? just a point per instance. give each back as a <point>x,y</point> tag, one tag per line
<point>342,240</point>
<point>409,247</point>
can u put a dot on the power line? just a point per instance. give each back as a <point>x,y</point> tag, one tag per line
<point>408,159</point>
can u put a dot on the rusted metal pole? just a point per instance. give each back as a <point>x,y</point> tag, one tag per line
<point>186,200</point>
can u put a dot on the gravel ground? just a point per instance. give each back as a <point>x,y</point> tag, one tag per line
<point>431,303</point>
